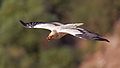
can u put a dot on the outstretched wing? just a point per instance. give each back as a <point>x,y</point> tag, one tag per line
<point>70,31</point>
<point>68,25</point>
<point>42,25</point>
<point>57,23</point>
<point>82,33</point>
<point>90,35</point>
<point>75,25</point>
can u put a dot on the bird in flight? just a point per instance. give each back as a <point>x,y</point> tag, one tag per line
<point>59,30</point>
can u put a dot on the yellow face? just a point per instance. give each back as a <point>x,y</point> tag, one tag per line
<point>50,37</point>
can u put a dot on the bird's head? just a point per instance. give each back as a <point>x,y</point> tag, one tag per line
<point>53,35</point>
<point>49,38</point>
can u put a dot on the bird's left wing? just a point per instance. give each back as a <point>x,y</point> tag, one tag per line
<point>72,25</point>
<point>68,25</point>
<point>42,25</point>
<point>75,24</point>
<point>57,23</point>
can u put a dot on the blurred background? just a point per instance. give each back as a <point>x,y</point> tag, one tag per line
<point>26,48</point>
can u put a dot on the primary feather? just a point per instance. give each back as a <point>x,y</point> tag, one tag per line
<point>90,35</point>
<point>42,25</point>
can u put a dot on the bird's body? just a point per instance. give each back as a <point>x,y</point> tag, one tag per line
<point>59,30</point>
<point>55,35</point>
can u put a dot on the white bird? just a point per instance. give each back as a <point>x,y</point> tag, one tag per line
<point>59,30</point>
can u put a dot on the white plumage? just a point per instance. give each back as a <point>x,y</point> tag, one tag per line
<point>58,30</point>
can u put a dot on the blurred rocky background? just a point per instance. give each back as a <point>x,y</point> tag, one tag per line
<point>26,48</point>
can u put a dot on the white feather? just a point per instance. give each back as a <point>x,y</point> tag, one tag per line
<point>70,31</point>
<point>57,23</point>
<point>45,26</point>
<point>75,25</point>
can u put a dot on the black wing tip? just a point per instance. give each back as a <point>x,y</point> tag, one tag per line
<point>21,21</point>
<point>106,40</point>
<point>102,39</point>
<point>24,24</point>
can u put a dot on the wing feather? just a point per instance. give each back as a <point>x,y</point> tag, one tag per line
<point>75,25</point>
<point>42,25</point>
<point>71,24</point>
<point>70,31</point>
<point>57,23</point>
<point>45,26</point>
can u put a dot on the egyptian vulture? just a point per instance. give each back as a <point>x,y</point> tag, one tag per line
<point>59,30</point>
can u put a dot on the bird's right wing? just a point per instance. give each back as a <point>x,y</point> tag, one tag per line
<point>42,25</point>
<point>70,31</point>
<point>82,33</point>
